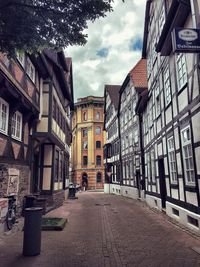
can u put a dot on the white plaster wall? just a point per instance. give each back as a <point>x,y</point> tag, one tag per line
<point>191,198</point>
<point>183,213</point>
<point>181,189</point>
<point>153,202</point>
<point>130,192</point>
<point>115,189</point>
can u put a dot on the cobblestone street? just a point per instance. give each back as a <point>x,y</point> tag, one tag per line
<point>106,230</point>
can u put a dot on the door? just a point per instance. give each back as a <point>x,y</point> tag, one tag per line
<point>163,192</point>
<point>138,182</point>
<point>36,180</point>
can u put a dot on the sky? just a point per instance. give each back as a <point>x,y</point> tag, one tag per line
<point>113,48</point>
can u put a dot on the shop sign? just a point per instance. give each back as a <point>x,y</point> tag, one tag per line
<point>186,40</point>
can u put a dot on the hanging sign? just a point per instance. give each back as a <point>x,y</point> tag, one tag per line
<point>186,40</point>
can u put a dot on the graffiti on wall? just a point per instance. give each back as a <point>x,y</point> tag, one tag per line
<point>13,181</point>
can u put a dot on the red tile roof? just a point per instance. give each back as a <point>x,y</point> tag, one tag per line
<point>139,74</point>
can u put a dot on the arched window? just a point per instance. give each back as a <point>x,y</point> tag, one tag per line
<point>98,160</point>
<point>98,130</point>
<point>98,144</point>
<point>84,115</point>
<point>99,177</point>
<point>97,115</point>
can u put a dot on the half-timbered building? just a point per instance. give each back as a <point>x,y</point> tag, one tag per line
<point>112,145</point>
<point>20,86</point>
<point>129,127</point>
<point>172,115</point>
<point>36,96</point>
<point>52,134</point>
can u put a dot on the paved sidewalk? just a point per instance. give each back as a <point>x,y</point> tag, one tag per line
<point>106,231</point>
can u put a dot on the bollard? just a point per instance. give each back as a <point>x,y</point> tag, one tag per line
<point>32,231</point>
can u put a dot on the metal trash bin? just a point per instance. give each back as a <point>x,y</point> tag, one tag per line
<point>28,202</point>
<point>32,231</point>
<point>72,192</point>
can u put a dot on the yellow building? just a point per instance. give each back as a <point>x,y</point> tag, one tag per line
<point>88,139</point>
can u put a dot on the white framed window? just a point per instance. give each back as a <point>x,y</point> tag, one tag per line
<point>172,159</point>
<point>187,156</point>
<point>158,106</point>
<point>4,115</point>
<point>153,169</point>
<point>167,86</point>
<point>181,70</point>
<point>21,58</point>
<point>16,129</point>
<point>30,69</point>
<point>161,20</point>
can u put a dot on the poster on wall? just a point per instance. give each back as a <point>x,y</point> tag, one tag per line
<point>13,182</point>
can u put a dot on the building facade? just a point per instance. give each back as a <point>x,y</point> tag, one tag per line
<point>112,145</point>
<point>129,127</point>
<point>171,117</point>
<point>36,96</point>
<point>88,141</point>
<point>20,86</point>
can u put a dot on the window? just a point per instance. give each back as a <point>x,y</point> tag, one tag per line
<point>17,125</point>
<point>98,144</point>
<point>98,160</point>
<point>56,166</point>
<point>30,70</point>
<point>21,58</point>
<point>167,86</point>
<point>85,144</point>
<point>161,21</point>
<point>187,155</point>
<point>97,116</point>
<point>84,132</point>
<point>181,70</point>
<point>85,116</point>
<point>153,169</point>
<point>85,160</point>
<point>4,113</point>
<point>172,160</point>
<point>98,130</point>
<point>158,106</point>
<point>99,177</point>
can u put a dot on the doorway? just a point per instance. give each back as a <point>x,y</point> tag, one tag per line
<point>163,191</point>
<point>138,182</point>
<point>85,179</point>
<point>36,179</point>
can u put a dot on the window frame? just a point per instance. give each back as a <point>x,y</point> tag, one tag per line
<point>172,160</point>
<point>3,102</point>
<point>29,66</point>
<point>98,160</point>
<point>97,178</point>
<point>167,89</point>
<point>179,57</point>
<point>85,160</point>
<point>96,132</point>
<point>187,144</point>
<point>98,147</point>
<point>17,126</point>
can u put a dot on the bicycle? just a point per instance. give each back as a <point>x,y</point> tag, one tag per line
<point>11,213</point>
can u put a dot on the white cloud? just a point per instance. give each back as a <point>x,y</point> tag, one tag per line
<point>115,33</point>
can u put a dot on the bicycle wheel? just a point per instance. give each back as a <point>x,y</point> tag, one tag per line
<point>10,219</point>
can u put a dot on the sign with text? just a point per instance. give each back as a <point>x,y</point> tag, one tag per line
<point>186,40</point>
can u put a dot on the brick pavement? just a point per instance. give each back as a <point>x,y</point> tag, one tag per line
<point>106,231</point>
